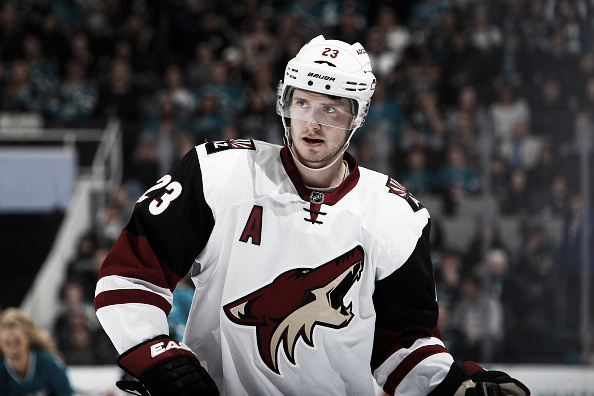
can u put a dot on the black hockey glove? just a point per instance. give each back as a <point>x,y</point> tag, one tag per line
<point>165,367</point>
<point>470,379</point>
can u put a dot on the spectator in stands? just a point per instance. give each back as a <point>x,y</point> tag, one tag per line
<point>522,150</point>
<point>555,197</point>
<point>462,68</point>
<point>210,119</point>
<point>456,180</point>
<point>569,258</point>
<point>108,221</point>
<point>230,95</point>
<point>535,28</point>
<point>511,15</point>
<point>75,97</point>
<point>120,96</point>
<point>551,117</point>
<point>383,59</point>
<point>12,33</point>
<point>506,111</point>
<point>448,277</point>
<point>467,104</point>
<point>53,40</point>
<point>427,118</point>
<point>397,36</point>
<point>466,133</point>
<point>144,168</point>
<point>141,37</point>
<point>483,34</point>
<point>416,177</point>
<point>479,317</point>
<point>497,263</point>
<point>198,67</point>
<point>382,128</point>
<point>81,52</point>
<point>164,128</point>
<point>258,45</point>
<point>174,88</point>
<point>473,252</point>
<point>425,12</point>
<point>21,93</point>
<point>531,299</point>
<point>80,350</point>
<point>587,105</point>
<point>452,338</point>
<point>574,30</point>
<point>518,200</point>
<point>31,364</point>
<point>499,178</point>
<point>507,63</point>
<point>44,71</point>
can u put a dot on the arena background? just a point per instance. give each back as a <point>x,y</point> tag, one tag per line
<point>483,109</point>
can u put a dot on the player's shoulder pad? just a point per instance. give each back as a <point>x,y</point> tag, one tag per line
<point>396,188</point>
<point>223,145</point>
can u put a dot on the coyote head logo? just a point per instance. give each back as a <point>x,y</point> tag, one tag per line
<point>295,302</point>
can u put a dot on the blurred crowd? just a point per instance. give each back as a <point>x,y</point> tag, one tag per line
<point>465,88</point>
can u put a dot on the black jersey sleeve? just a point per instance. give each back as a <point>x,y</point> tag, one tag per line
<point>169,227</point>
<point>406,336</point>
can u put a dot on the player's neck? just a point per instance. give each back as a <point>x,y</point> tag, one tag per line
<point>327,178</point>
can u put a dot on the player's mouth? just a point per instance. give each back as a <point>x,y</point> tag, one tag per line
<point>311,141</point>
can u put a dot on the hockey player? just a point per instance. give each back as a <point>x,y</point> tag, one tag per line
<point>312,274</point>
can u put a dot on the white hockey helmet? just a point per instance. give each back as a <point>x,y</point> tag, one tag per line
<point>333,68</point>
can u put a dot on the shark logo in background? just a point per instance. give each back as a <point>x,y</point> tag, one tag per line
<point>295,302</point>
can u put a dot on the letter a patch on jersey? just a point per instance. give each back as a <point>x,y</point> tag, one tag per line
<point>222,145</point>
<point>253,226</point>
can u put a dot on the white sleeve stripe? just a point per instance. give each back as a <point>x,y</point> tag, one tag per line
<point>389,365</point>
<point>130,324</point>
<point>115,282</point>
<point>426,375</point>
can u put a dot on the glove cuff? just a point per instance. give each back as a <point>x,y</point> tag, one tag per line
<point>459,372</point>
<point>145,356</point>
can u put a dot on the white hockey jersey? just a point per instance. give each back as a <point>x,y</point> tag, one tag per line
<point>297,292</point>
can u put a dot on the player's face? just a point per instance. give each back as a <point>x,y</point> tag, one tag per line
<point>320,126</point>
<point>14,344</point>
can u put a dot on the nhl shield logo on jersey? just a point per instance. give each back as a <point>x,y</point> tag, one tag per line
<point>398,189</point>
<point>316,197</point>
<point>295,302</point>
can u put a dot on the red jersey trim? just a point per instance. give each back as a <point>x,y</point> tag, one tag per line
<point>329,198</point>
<point>409,363</point>
<point>387,342</point>
<point>132,257</point>
<point>130,296</point>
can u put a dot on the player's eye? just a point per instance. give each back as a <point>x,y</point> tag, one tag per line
<point>301,103</point>
<point>329,109</point>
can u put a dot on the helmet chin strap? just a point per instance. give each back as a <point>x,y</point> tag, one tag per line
<point>288,143</point>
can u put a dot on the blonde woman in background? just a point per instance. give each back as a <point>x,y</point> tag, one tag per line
<point>30,363</point>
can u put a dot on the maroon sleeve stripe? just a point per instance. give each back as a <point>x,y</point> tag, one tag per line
<point>409,363</point>
<point>127,296</point>
<point>132,257</point>
<point>388,342</point>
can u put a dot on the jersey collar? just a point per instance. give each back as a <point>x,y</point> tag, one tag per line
<point>313,196</point>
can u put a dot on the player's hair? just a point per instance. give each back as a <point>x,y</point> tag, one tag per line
<point>39,337</point>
